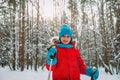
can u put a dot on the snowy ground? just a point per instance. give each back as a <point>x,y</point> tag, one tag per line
<point>7,74</point>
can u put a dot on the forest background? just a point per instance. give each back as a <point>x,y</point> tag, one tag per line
<point>27,26</point>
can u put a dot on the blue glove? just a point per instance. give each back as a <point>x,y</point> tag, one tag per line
<point>51,55</point>
<point>92,73</point>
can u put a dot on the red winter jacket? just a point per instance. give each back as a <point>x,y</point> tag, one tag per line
<point>69,64</point>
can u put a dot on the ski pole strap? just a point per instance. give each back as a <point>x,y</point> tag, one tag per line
<point>93,74</point>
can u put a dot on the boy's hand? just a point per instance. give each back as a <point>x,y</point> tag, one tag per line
<point>51,52</point>
<point>92,73</point>
<point>51,55</point>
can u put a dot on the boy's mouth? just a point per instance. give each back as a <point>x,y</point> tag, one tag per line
<point>65,41</point>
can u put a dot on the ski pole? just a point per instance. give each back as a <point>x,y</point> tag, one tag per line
<point>50,69</point>
<point>93,74</point>
<point>92,77</point>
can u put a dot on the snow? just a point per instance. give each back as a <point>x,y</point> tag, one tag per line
<point>7,74</point>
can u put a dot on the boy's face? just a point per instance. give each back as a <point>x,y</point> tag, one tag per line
<point>65,39</point>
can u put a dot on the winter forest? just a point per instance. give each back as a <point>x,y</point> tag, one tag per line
<point>27,27</point>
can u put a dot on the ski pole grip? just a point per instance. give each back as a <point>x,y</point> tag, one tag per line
<point>52,56</point>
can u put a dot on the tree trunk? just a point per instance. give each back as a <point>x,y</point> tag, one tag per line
<point>28,36</point>
<point>117,31</point>
<point>103,32</point>
<point>21,36</point>
<point>19,59</point>
<point>88,48</point>
<point>14,55</point>
<point>95,39</point>
<point>31,36</point>
<point>36,55</point>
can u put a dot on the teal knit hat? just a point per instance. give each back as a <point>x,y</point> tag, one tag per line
<point>65,30</point>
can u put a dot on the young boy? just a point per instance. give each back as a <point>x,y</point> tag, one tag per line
<point>67,63</point>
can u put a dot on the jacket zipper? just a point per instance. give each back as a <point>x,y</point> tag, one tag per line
<point>68,66</point>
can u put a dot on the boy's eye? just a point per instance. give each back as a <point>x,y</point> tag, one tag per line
<point>66,36</point>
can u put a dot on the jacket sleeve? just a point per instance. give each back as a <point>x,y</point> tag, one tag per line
<point>81,63</point>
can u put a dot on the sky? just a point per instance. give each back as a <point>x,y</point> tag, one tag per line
<point>7,74</point>
<point>48,10</point>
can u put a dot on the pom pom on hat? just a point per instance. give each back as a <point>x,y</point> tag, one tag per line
<point>65,30</point>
